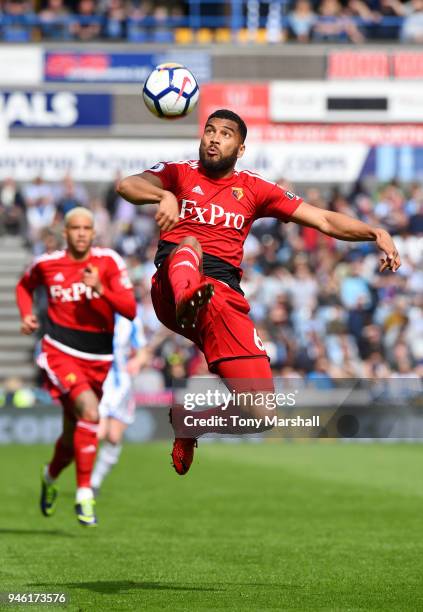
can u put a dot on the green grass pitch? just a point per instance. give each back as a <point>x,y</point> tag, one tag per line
<point>278,526</point>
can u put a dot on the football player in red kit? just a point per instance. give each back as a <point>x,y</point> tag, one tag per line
<point>205,211</point>
<point>85,285</point>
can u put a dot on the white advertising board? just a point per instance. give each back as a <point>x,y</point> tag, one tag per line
<point>339,101</point>
<point>21,65</point>
<point>99,160</point>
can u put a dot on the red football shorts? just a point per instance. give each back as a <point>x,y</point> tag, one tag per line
<point>223,331</point>
<point>66,375</point>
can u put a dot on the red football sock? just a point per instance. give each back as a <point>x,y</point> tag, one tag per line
<point>85,442</point>
<point>240,376</point>
<point>184,270</point>
<point>63,456</point>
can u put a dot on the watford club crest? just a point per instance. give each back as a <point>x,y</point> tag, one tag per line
<point>71,378</point>
<point>237,192</point>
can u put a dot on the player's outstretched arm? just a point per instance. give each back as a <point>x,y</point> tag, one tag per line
<point>347,228</point>
<point>147,188</point>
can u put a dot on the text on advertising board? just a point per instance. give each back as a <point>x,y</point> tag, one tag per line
<point>62,109</point>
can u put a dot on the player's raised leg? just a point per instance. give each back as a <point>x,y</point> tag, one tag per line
<point>85,442</point>
<point>62,457</point>
<point>245,376</point>
<point>191,292</point>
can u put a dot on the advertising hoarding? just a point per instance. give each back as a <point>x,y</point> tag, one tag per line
<point>249,100</point>
<point>63,66</point>
<point>60,109</point>
<point>343,102</point>
<point>89,160</point>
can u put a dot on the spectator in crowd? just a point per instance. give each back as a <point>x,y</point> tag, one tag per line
<point>370,341</point>
<point>124,216</point>
<point>129,242</point>
<point>40,208</point>
<point>161,31</point>
<point>301,21</point>
<point>412,27</point>
<point>320,374</point>
<point>52,239</point>
<point>380,19</point>
<point>54,21</point>
<point>415,222</point>
<point>356,297</point>
<point>114,26</point>
<point>68,196</point>
<point>176,15</point>
<point>334,25</point>
<point>87,25</point>
<point>103,231</point>
<point>304,286</point>
<point>138,18</point>
<point>414,200</point>
<point>390,208</point>
<point>12,208</point>
<point>111,196</point>
<point>18,19</point>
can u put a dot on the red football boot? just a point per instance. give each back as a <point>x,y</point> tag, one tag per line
<point>183,447</point>
<point>183,454</point>
<point>192,300</point>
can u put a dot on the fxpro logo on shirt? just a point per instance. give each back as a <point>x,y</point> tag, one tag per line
<point>212,215</point>
<point>76,290</point>
<point>72,293</point>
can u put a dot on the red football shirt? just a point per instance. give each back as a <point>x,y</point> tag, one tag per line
<point>220,212</point>
<point>79,318</point>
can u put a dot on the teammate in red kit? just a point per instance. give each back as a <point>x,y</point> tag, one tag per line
<point>85,286</point>
<point>206,209</point>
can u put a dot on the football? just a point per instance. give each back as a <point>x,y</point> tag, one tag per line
<point>171,91</point>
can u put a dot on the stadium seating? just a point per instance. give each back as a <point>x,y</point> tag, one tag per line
<point>220,21</point>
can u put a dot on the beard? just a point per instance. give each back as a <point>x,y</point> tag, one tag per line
<point>218,165</point>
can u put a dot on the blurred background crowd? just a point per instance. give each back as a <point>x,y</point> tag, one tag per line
<point>354,21</point>
<point>320,305</point>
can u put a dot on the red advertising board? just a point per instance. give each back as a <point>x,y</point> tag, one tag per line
<point>358,65</point>
<point>249,100</point>
<point>374,65</point>
<point>408,64</point>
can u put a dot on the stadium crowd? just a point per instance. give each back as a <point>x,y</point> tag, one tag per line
<point>320,305</point>
<point>353,21</point>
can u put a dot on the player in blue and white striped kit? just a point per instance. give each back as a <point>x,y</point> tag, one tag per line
<point>117,407</point>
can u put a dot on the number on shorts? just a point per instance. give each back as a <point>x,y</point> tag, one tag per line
<point>258,341</point>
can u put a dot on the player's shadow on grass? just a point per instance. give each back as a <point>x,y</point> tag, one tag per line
<point>121,586</point>
<point>43,532</point>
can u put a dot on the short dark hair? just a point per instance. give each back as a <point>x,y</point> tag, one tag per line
<point>224,113</point>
